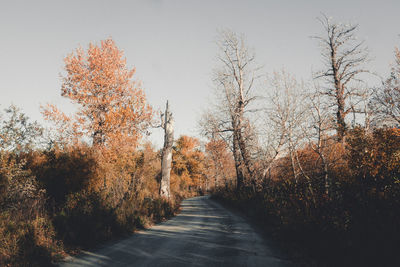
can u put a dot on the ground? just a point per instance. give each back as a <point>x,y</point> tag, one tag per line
<point>203,234</point>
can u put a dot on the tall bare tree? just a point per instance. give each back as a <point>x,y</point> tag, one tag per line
<point>234,82</point>
<point>167,123</point>
<point>344,58</point>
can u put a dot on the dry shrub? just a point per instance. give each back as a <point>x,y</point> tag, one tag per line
<point>78,195</point>
<point>356,224</point>
<point>63,171</point>
<point>98,192</point>
<point>28,242</point>
<point>27,236</point>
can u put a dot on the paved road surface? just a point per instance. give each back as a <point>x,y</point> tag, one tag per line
<point>203,234</point>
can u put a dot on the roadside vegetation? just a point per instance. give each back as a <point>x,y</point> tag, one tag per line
<point>90,177</point>
<point>317,164</point>
<point>354,225</point>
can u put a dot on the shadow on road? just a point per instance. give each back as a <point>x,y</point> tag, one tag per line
<point>204,234</point>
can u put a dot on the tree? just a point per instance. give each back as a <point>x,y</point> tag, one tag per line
<point>188,165</point>
<point>234,82</point>
<point>386,100</point>
<point>343,58</point>
<point>286,114</point>
<point>111,105</point>
<point>220,164</point>
<point>18,187</point>
<point>318,133</point>
<point>167,123</point>
<point>17,133</point>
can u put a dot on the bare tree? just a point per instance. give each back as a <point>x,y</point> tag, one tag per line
<point>234,82</point>
<point>344,58</point>
<point>386,99</point>
<point>286,116</point>
<point>167,123</point>
<point>318,132</point>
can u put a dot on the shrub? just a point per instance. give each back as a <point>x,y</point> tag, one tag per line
<point>356,224</point>
<point>27,236</point>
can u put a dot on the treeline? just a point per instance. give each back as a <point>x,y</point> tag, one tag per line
<point>317,163</point>
<point>90,177</point>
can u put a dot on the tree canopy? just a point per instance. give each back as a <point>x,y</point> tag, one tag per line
<point>110,103</point>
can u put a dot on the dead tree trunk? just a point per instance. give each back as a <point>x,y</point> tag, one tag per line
<point>167,123</point>
<point>344,58</point>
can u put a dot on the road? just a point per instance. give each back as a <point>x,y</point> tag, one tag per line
<point>203,234</point>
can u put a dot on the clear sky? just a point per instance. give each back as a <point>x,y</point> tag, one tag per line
<point>171,44</point>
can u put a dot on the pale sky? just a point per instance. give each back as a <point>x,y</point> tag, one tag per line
<point>171,44</point>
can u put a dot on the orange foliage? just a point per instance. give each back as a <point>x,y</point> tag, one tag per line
<point>220,164</point>
<point>375,156</point>
<point>66,171</point>
<point>188,169</point>
<point>112,106</point>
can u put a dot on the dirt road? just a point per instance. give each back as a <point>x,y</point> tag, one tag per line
<point>203,234</point>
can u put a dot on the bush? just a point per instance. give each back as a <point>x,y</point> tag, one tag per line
<point>72,194</point>
<point>27,237</point>
<point>85,221</point>
<point>356,224</point>
<point>28,243</point>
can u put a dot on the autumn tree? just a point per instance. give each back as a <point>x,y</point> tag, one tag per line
<point>111,105</point>
<point>344,58</point>
<point>386,99</point>
<point>188,165</point>
<point>220,164</point>
<point>234,80</point>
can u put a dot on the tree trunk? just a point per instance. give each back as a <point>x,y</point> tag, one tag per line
<point>340,115</point>
<point>167,124</point>
<point>344,57</point>
<point>245,154</point>
<point>238,161</point>
<point>326,174</point>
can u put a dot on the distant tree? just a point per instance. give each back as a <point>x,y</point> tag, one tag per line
<point>17,133</point>
<point>386,99</point>
<point>220,164</point>
<point>188,164</point>
<point>344,58</point>
<point>234,81</point>
<point>111,106</point>
<point>286,114</point>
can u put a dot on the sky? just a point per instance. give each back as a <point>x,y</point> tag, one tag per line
<point>171,44</point>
